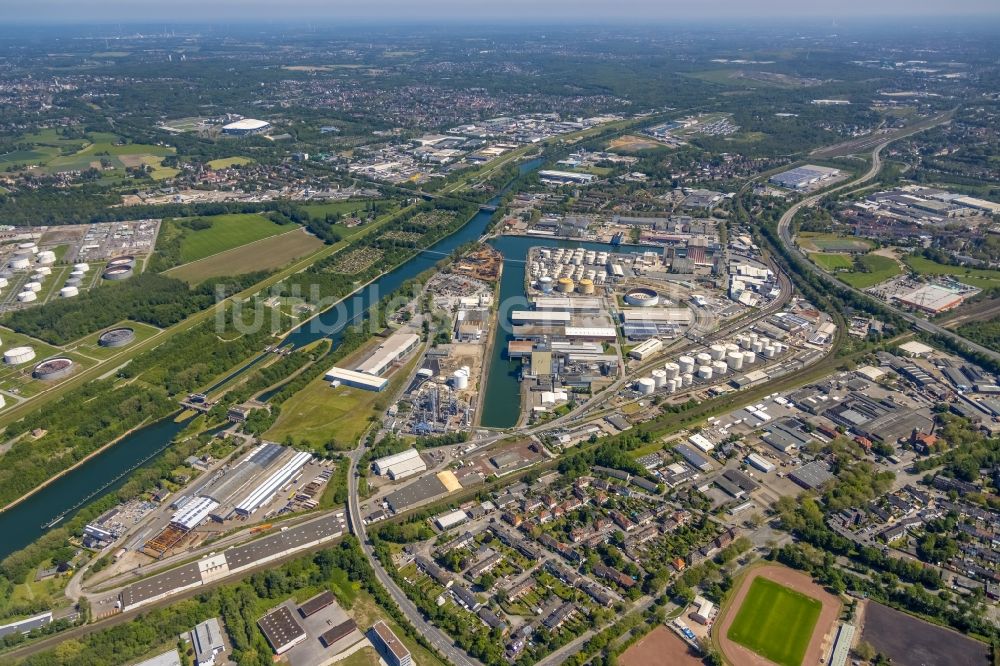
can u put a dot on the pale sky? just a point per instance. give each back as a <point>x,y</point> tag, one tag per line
<point>450,11</point>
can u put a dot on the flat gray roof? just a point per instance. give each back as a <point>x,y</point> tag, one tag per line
<point>419,491</point>
<point>165,582</point>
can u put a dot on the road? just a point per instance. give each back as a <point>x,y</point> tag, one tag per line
<point>441,642</point>
<point>785,234</point>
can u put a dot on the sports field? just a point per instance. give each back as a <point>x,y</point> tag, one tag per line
<point>266,254</point>
<point>776,622</point>
<point>227,232</point>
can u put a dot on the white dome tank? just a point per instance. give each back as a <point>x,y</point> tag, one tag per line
<point>717,352</point>
<point>735,360</point>
<point>749,357</point>
<point>704,372</point>
<point>27,296</point>
<point>703,358</point>
<point>719,368</point>
<point>756,346</point>
<point>46,257</point>
<point>687,378</point>
<point>18,355</point>
<point>69,292</point>
<point>19,263</point>
<point>659,377</point>
<point>672,369</point>
<point>81,267</point>
<point>646,385</point>
<point>672,385</point>
<point>33,286</point>
<point>686,364</point>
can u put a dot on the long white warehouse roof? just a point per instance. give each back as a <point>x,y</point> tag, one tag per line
<point>388,461</point>
<point>353,377</point>
<point>246,124</point>
<point>566,303</point>
<point>388,352</point>
<point>657,314</point>
<point>195,511</point>
<point>540,316</point>
<point>265,491</point>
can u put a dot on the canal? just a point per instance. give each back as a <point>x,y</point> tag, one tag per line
<point>110,469</point>
<point>502,402</point>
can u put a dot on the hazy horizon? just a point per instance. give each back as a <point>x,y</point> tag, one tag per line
<point>62,12</point>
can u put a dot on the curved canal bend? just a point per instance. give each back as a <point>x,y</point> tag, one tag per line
<point>106,472</point>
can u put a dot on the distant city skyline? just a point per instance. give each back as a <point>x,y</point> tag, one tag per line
<point>569,11</point>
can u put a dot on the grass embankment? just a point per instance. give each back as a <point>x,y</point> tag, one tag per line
<point>319,414</point>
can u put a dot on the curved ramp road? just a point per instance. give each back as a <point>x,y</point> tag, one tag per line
<point>785,234</point>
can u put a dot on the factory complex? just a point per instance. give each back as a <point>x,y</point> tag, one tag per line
<point>805,177</point>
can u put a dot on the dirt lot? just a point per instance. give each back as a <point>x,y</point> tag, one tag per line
<point>631,143</point>
<point>823,634</point>
<point>660,646</point>
<point>910,641</point>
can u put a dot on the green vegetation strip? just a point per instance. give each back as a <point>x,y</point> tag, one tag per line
<point>776,622</point>
<point>878,269</point>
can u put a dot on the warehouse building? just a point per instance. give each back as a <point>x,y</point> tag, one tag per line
<point>646,349</point>
<point>802,177</point>
<point>544,317</point>
<point>554,177</point>
<point>193,513</point>
<point>390,351</point>
<point>266,491</point>
<point>206,639</point>
<point>811,476</point>
<point>451,519</point>
<point>932,298</point>
<point>281,629</point>
<point>400,465</point>
<point>356,379</point>
<point>26,625</point>
<point>389,646</point>
<point>693,457</point>
<point>567,304</point>
<point>168,658</point>
<point>758,462</point>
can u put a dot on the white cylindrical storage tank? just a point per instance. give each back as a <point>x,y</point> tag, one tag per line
<point>719,368</point>
<point>717,352</point>
<point>659,378</point>
<point>672,385</point>
<point>779,347</point>
<point>19,263</point>
<point>687,379</point>
<point>732,348</point>
<point>43,270</point>
<point>704,372</point>
<point>69,292</point>
<point>46,257</point>
<point>27,296</point>
<point>768,351</point>
<point>81,267</point>
<point>546,284</point>
<point>33,286</point>
<point>3,282</point>
<point>77,274</point>
<point>460,380</point>
<point>672,369</point>
<point>18,355</point>
<point>703,358</point>
<point>645,385</point>
<point>686,364</point>
<point>749,357</point>
<point>27,248</point>
<point>734,360</point>
<point>756,346</point>
<point>546,253</point>
<point>745,342</point>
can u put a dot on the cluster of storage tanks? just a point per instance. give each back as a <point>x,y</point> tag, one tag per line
<point>75,279</point>
<point>717,361</point>
<point>27,257</point>
<point>567,271</point>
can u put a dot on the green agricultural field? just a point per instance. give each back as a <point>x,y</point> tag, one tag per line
<point>776,622</point>
<point>813,241</point>
<point>879,269</point>
<point>832,261</point>
<point>321,210</point>
<point>227,232</point>
<point>974,277</point>
<point>267,254</point>
<point>228,162</point>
